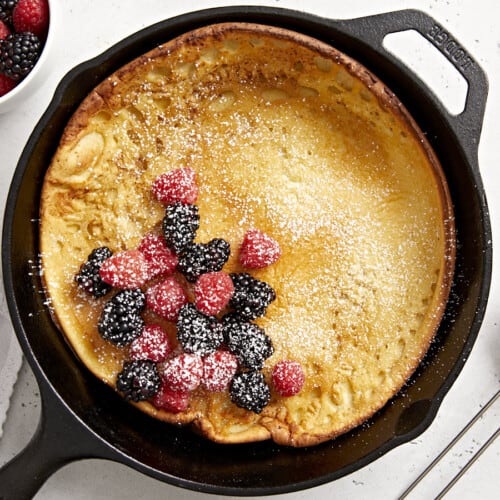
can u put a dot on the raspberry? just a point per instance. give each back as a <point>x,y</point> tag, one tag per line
<point>249,390</point>
<point>33,16</point>
<point>153,344</point>
<point>258,250</point>
<point>201,258</point>
<point>4,30</point>
<point>19,53</point>
<point>247,341</point>
<point>170,400</point>
<point>166,298</point>
<point>213,292</point>
<point>139,380</point>
<point>218,370</point>
<point>120,322</point>
<point>126,269</point>
<point>251,296</point>
<point>183,373</point>
<point>198,333</point>
<point>162,261</point>
<point>176,185</point>
<point>6,84</point>
<point>288,377</point>
<point>180,225</point>
<point>88,278</point>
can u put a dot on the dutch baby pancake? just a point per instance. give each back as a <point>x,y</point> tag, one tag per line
<point>269,167</point>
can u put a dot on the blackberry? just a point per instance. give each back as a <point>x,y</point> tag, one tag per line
<point>193,262</point>
<point>249,390</point>
<point>19,52</point>
<point>201,258</point>
<point>251,296</point>
<point>138,380</point>
<point>180,224</point>
<point>198,333</point>
<point>6,9</point>
<point>88,278</point>
<point>133,299</point>
<point>120,322</point>
<point>218,253</point>
<point>247,341</point>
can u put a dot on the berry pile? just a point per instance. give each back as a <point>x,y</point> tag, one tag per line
<point>218,346</point>
<point>23,30</point>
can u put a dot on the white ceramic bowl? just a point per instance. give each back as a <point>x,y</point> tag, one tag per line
<point>36,76</point>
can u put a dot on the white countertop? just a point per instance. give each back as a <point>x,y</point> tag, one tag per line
<point>91,26</point>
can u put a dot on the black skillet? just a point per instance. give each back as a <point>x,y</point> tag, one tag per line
<point>83,418</point>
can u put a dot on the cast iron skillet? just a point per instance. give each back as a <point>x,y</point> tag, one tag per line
<point>83,418</point>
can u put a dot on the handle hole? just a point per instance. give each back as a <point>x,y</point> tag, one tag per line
<point>431,66</point>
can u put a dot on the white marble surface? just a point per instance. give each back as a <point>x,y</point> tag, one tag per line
<point>88,27</point>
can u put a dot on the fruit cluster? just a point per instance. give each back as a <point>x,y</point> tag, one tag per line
<point>218,346</point>
<point>23,30</point>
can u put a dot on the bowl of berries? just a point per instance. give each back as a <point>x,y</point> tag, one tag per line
<point>25,35</point>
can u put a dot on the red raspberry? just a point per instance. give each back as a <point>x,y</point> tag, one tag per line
<point>33,16</point>
<point>4,30</point>
<point>258,250</point>
<point>213,291</point>
<point>184,372</point>
<point>166,298</point>
<point>127,269</point>
<point>176,185</point>
<point>6,84</point>
<point>288,377</point>
<point>169,400</point>
<point>161,259</point>
<point>218,370</point>
<point>153,344</point>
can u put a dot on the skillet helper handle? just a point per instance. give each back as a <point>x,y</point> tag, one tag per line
<point>373,29</point>
<point>58,440</point>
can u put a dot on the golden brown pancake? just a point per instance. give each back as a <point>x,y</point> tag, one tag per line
<point>290,136</point>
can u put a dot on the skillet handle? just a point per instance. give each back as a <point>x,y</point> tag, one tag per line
<point>58,440</point>
<point>373,29</point>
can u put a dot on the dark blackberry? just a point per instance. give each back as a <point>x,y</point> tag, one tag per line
<point>251,296</point>
<point>247,341</point>
<point>193,262</point>
<point>88,278</point>
<point>6,9</point>
<point>19,52</point>
<point>133,299</point>
<point>201,258</point>
<point>138,380</point>
<point>120,322</point>
<point>180,224</point>
<point>198,333</point>
<point>218,253</point>
<point>249,390</point>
